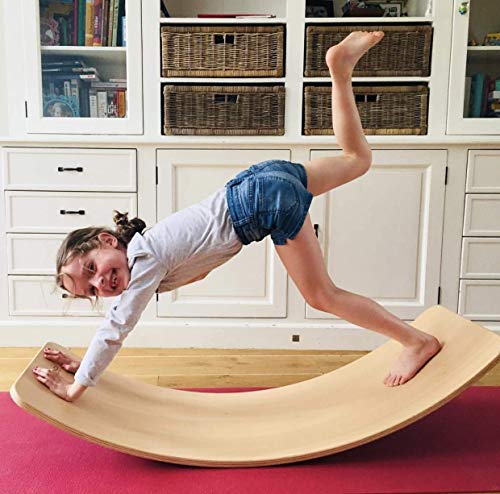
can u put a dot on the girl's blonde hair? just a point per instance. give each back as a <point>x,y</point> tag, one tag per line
<point>83,240</point>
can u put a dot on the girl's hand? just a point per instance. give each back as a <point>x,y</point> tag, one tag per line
<point>54,380</point>
<point>58,357</point>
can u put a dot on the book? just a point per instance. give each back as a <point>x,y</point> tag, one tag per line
<point>104,26</point>
<point>115,23</point>
<point>89,22</point>
<point>109,85</point>
<point>102,104</point>
<point>476,95</point>
<point>123,31</point>
<point>93,103</point>
<point>82,7</point>
<point>97,35</point>
<point>468,81</point>
<point>111,21</point>
<point>122,111</point>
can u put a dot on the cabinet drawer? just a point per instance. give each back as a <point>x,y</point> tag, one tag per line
<point>44,212</point>
<point>111,170</point>
<point>479,299</point>
<point>480,258</point>
<point>32,253</point>
<point>483,171</point>
<point>482,215</point>
<point>40,296</point>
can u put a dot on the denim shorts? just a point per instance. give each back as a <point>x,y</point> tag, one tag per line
<point>269,198</point>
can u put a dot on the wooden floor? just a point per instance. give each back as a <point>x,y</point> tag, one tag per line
<point>177,368</point>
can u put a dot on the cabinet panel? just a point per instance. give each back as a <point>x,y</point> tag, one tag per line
<point>251,284</point>
<point>384,231</point>
<point>39,296</point>
<point>479,299</point>
<point>54,212</point>
<point>110,170</point>
<point>47,112</point>
<point>473,65</point>
<point>480,258</point>
<point>482,215</point>
<point>32,253</point>
<point>483,171</point>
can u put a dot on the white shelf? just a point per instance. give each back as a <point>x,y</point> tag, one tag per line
<point>217,20</point>
<point>222,80</point>
<point>370,79</point>
<point>366,20</point>
<point>80,50</point>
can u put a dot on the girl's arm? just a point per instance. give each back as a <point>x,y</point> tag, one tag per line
<point>198,278</point>
<point>75,390</point>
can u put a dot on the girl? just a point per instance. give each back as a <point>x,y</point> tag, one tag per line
<point>273,198</point>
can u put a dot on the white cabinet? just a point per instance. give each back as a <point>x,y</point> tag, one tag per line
<point>474,67</point>
<point>479,290</point>
<point>43,204</point>
<point>253,283</point>
<point>383,231</point>
<point>62,97</point>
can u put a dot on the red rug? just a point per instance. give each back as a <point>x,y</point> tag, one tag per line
<point>455,449</point>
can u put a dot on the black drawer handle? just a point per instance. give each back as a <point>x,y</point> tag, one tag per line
<point>80,211</point>
<point>316,229</point>
<point>69,169</point>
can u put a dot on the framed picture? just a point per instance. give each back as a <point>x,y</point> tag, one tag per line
<point>319,8</point>
<point>393,9</point>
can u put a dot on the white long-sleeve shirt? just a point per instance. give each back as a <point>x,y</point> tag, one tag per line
<point>184,245</point>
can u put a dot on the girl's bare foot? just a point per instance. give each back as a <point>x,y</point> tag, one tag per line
<point>343,57</point>
<point>412,359</point>
<point>66,362</point>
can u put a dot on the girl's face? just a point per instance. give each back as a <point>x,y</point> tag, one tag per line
<point>103,271</point>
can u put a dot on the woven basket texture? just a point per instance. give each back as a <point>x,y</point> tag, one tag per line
<point>405,50</point>
<point>224,110</point>
<point>222,51</point>
<point>384,110</point>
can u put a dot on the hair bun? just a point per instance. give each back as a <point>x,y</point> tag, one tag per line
<point>126,228</point>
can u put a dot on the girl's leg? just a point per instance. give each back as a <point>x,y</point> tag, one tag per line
<point>324,174</point>
<point>304,262</point>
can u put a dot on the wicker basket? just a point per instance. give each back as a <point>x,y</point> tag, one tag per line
<point>222,51</point>
<point>224,110</point>
<point>384,110</point>
<point>405,50</point>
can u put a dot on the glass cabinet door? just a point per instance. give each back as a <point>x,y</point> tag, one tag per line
<point>84,71</point>
<point>474,98</point>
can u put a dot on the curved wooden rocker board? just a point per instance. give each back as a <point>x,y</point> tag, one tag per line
<point>324,415</point>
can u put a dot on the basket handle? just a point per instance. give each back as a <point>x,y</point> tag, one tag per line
<point>226,98</point>
<point>224,39</point>
<point>366,98</point>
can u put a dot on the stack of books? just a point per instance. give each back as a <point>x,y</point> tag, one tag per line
<point>482,96</point>
<point>83,22</point>
<point>71,88</point>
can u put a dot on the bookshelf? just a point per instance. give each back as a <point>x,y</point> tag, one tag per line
<point>82,56</point>
<point>475,73</point>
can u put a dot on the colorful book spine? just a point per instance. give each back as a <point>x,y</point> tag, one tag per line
<point>115,22</point>
<point>93,103</point>
<point>105,16</point>
<point>82,7</point>
<point>111,21</point>
<point>102,104</point>
<point>75,22</point>
<point>97,39</point>
<point>476,95</point>
<point>89,22</point>
<point>122,110</point>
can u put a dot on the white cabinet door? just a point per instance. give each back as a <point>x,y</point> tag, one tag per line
<point>384,231</point>
<point>54,114</point>
<point>468,113</point>
<point>251,284</point>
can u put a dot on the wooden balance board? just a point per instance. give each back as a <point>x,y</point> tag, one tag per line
<point>321,416</point>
